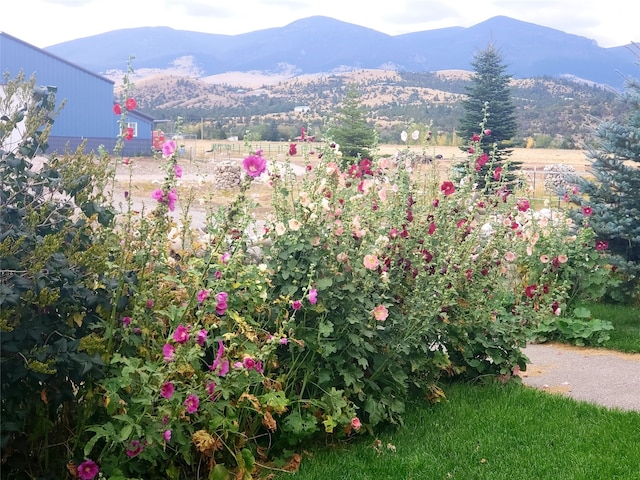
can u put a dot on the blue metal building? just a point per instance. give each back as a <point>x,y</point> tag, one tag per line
<point>89,99</point>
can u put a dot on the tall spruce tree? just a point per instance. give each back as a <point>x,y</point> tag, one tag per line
<point>489,114</point>
<point>610,200</point>
<point>350,130</point>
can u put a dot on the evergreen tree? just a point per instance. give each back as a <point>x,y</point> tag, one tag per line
<point>350,129</point>
<point>610,200</point>
<point>489,114</point>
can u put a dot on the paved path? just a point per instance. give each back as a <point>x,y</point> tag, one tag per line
<point>604,377</point>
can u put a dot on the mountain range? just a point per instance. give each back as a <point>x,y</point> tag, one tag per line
<point>321,44</point>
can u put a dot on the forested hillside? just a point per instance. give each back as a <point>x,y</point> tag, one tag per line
<point>551,112</point>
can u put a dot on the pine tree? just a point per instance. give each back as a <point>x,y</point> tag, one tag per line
<point>350,129</point>
<point>489,115</point>
<point>610,200</point>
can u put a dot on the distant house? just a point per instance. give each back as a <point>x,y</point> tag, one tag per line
<point>301,108</point>
<point>89,98</point>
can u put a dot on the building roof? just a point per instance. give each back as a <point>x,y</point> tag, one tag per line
<point>60,59</point>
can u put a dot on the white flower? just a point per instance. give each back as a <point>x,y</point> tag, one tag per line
<point>415,135</point>
<point>280,228</point>
<point>403,136</point>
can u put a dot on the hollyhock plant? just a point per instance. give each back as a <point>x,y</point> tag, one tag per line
<point>131,104</point>
<point>117,109</point>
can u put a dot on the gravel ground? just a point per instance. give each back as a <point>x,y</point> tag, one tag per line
<point>603,377</point>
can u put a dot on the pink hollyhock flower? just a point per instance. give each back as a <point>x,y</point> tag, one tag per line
<point>177,169</point>
<point>211,388</point>
<point>523,204</point>
<point>248,363</point>
<point>292,149</point>
<point>172,198</point>
<point>371,262</point>
<point>192,402</point>
<point>126,321</point>
<point>128,133</point>
<point>134,449</point>
<point>356,424</point>
<point>601,245</point>
<point>487,132</point>
<point>168,148</point>
<point>296,304</point>
<point>149,303</point>
<point>168,351</point>
<point>475,137</point>
<point>447,188</point>
<point>201,337</point>
<point>167,435</point>
<point>88,469</point>
<point>131,104</point>
<point>157,195</point>
<point>166,390</point>
<point>203,295</point>
<point>380,313</point>
<point>313,296</point>
<point>181,335</point>
<point>284,341</point>
<point>509,256</point>
<point>432,228</point>
<point>254,165</point>
<point>117,109</point>
<point>496,173</point>
<point>226,256</point>
<point>586,211</point>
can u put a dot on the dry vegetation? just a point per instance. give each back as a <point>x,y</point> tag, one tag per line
<point>145,174</point>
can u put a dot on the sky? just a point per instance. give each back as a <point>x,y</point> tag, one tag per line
<point>43,23</point>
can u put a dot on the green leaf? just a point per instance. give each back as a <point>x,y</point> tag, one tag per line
<point>325,328</point>
<point>582,312</point>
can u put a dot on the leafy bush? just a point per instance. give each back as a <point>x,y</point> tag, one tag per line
<point>167,351</point>
<point>51,290</point>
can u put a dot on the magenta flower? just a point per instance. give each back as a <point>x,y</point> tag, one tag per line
<point>218,364</point>
<point>249,363</point>
<point>530,290</point>
<point>226,256</point>
<point>601,245</point>
<point>167,435</point>
<point>88,469</point>
<point>149,303</point>
<point>135,447</point>
<point>177,169</point>
<point>523,204</point>
<point>192,402</point>
<point>254,165</point>
<point>157,195</point>
<point>172,198</point>
<point>586,211</point>
<point>168,148</point>
<point>296,304</point>
<point>126,321</point>
<point>496,173</point>
<point>203,295</point>
<point>168,351</point>
<point>201,337</point>
<point>181,335</point>
<point>221,306</point>
<point>211,388</point>
<point>166,391</point>
<point>313,296</point>
<point>284,341</point>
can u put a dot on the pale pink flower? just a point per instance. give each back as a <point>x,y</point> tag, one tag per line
<point>371,262</point>
<point>313,296</point>
<point>355,421</point>
<point>280,229</point>
<point>380,313</point>
<point>294,225</point>
<point>562,258</point>
<point>544,258</point>
<point>332,168</point>
<point>509,256</point>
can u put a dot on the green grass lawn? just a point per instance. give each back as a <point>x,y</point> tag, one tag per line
<point>625,337</point>
<point>490,432</point>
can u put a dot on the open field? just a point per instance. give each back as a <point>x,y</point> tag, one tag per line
<point>145,174</point>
